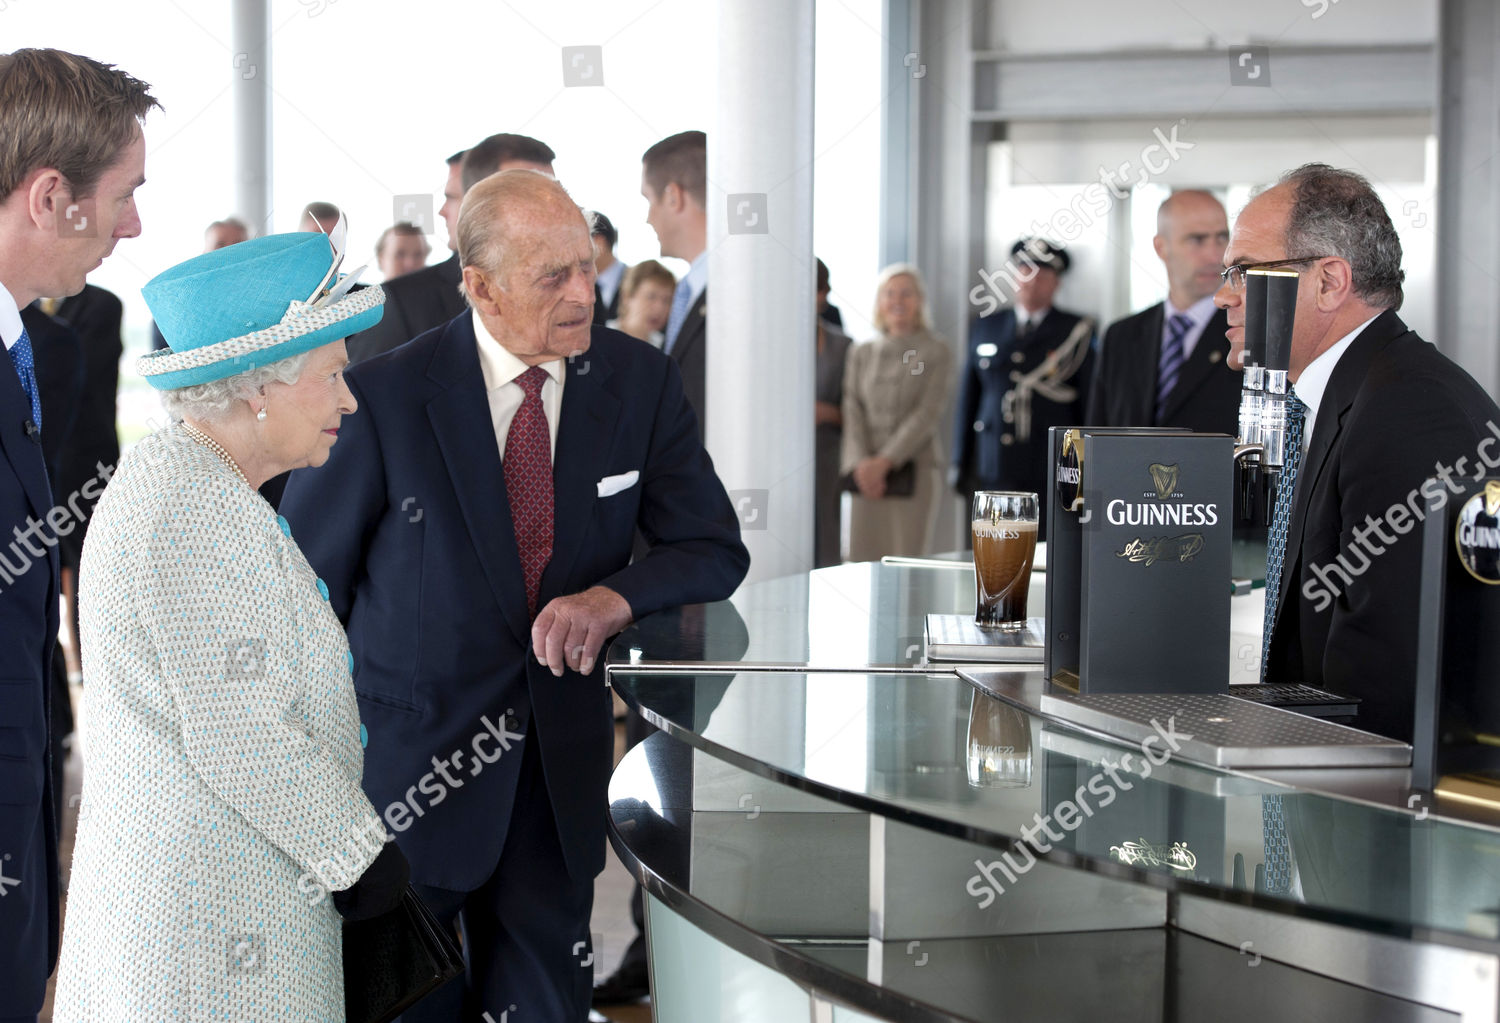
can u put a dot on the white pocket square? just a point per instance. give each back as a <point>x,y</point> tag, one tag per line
<point>614,484</point>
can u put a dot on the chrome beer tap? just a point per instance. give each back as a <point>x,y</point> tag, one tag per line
<point>1270,308</point>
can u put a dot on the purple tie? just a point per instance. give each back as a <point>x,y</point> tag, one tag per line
<point>1170,365</point>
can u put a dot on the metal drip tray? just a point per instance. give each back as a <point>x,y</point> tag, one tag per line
<point>1222,731</point>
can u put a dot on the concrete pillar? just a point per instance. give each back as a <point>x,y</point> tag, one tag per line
<point>1468,193</point>
<point>761,305</point>
<point>251,89</point>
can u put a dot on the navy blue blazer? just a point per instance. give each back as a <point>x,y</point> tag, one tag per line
<point>409,525</point>
<point>28,630</point>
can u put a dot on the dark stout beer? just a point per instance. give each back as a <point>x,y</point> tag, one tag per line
<point>1003,552</point>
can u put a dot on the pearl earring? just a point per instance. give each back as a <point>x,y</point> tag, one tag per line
<point>261,415</point>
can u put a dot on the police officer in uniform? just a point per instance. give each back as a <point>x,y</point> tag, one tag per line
<point>1028,369</point>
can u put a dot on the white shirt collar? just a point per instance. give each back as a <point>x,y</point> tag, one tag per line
<point>499,366</point>
<point>1025,316</point>
<point>1200,312</point>
<point>1314,379</point>
<point>609,280</point>
<point>10,319</point>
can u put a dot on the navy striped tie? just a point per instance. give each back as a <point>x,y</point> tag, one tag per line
<point>1169,366</point>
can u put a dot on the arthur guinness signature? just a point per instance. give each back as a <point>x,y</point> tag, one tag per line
<point>1177,855</point>
<point>1162,548</point>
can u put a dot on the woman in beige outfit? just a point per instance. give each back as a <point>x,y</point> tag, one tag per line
<point>894,389</point>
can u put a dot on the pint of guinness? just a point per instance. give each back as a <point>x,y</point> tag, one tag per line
<point>1004,546</point>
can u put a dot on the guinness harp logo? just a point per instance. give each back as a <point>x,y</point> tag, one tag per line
<point>1164,477</point>
<point>1477,534</point>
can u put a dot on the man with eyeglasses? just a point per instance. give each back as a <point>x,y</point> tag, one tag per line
<point>1377,410</point>
<point>1168,365</point>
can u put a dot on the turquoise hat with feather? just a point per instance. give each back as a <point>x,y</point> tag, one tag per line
<point>252,304</point>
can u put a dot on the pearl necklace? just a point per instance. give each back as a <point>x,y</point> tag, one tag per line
<point>216,448</point>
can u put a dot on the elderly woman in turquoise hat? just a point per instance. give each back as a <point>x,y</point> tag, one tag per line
<point>223,829</point>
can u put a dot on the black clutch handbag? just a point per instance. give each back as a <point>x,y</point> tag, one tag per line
<point>899,482</point>
<point>394,960</point>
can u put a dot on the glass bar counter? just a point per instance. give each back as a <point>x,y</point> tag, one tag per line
<point>828,828</point>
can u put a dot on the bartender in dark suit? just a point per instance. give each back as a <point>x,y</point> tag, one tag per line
<point>474,527</point>
<point>1028,369</point>
<point>1377,411</point>
<point>427,298</point>
<point>1169,365</point>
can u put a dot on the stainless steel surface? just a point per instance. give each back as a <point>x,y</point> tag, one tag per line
<point>1452,979</point>
<point>1221,731</point>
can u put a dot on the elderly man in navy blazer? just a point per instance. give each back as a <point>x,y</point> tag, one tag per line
<point>73,158</point>
<point>474,527</point>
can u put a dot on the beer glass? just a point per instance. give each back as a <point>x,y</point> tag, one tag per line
<point>999,754</point>
<point>1004,545</point>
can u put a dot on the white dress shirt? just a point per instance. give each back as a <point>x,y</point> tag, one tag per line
<point>10,319</point>
<point>1199,313</point>
<point>1314,379</point>
<point>1026,318</point>
<point>500,369</point>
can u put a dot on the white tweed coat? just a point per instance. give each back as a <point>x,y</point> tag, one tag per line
<point>222,758</point>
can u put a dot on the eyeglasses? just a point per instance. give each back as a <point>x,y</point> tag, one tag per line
<point>1234,276</point>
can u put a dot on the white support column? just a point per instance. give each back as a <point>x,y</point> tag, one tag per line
<point>761,304</point>
<point>252,112</point>
<point>1468,195</point>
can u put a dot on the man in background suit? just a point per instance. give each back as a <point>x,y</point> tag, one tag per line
<point>1028,369</point>
<point>674,180</point>
<point>611,270</point>
<point>75,155</point>
<point>426,298</point>
<point>1168,365</point>
<point>475,528</point>
<point>1384,411</point>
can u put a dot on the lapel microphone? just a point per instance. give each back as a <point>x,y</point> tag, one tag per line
<point>32,431</point>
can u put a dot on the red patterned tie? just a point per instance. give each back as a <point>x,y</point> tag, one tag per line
<point>528,482</point>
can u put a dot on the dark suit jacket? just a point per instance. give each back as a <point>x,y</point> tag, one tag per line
<point>409,524</point>
<point>1206,398</point>
<point>690,353</point>
<point>96,315</point>
<point>28,623</point>
<point>58,356</point>
<point>1394,408</point>
<point>986,452</point>
<point>414,304</point>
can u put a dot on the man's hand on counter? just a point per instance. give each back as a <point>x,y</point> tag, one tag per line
<point>569,631</point>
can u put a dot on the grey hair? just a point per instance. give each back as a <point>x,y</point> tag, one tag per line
<point>1337,213</point>
<point>212,401</point>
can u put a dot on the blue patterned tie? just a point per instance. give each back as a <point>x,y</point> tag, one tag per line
<point>1170,364</point>
<point>682,301</point>
<point>1281,518</point>
<point>20,354</point>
